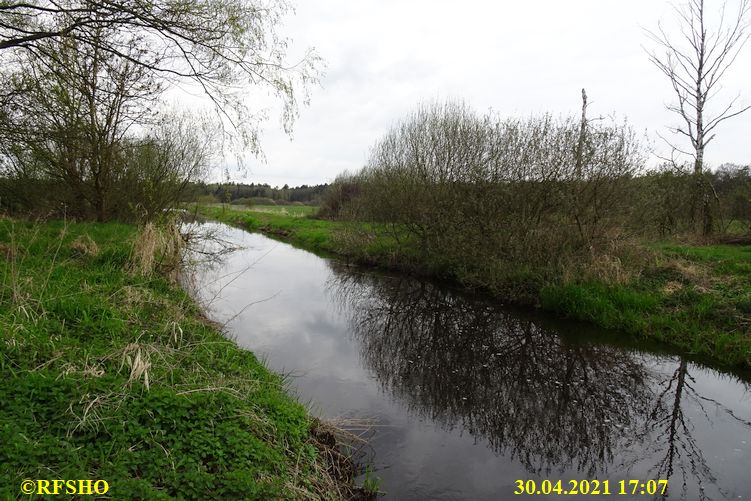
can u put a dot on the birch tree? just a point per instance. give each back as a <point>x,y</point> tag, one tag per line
<point>695,59</point>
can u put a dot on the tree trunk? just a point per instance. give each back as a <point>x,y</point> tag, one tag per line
<point>579,164</point>
<point>701,208</point>
<point>100,201</point>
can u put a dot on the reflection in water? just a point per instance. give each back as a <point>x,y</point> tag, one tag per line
<point>553,405</point>
<point>669,431</point>
<point>469,396</point>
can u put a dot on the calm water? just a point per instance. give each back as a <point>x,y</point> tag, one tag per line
<point>466,396</point>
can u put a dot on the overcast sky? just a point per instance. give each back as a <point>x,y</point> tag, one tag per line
<point>519,58</point>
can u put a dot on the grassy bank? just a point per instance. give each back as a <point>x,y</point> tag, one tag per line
<point>111,372</point>
<point>288,222</point>
<point>696,298</point>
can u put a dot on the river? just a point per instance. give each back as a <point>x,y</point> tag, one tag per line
<point>464,397</point>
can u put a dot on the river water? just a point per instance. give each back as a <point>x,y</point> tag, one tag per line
<point>465,397</point>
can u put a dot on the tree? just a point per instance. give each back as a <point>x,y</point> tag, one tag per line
<point>71,115</point>
<point>159,167</point>
<point>695,62</point>
<point>220,45</point>
<point>80,78</point>
<point>468,190</point>
<point>86,122</point>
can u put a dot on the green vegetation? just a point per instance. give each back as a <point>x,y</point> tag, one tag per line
<point>280,221</point>
<point>681,300</point>
<point>111,372</point>
<point>86,129</point>
<point>696,298</point>
<point>284,210</point>
<point>372,483</point>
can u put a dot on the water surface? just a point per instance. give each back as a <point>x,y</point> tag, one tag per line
<point>468,396</point>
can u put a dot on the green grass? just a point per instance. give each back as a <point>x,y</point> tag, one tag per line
<point>292,210</point>
<point>730,260</point>
<point>314,234</point>
<point>117,376</point>
<point>285,210</point>
<point>696,298</point>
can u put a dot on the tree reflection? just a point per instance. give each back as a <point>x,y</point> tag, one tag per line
<point>671,432</point>
<point>675,453</point>
<point>552,404</point>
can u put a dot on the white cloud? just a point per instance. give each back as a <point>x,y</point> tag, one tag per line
<point>384,57</point>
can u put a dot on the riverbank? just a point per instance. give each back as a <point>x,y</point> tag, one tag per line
<point>112,373</point>
<point>695,298</point>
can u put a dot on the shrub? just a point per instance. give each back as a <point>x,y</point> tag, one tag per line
<point>475,189</point>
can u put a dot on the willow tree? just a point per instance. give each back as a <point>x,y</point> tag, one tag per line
<point>224,47</point>
<point>77,77</point>
<point>695,59</point>
<point>70,118</point>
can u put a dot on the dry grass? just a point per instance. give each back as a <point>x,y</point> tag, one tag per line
<point>692,272</point>
<point>337,448</point>
<point>609,269</point>
<point>131,296</point>
<point>137,357</point>
<point>619,262</point>
<point>91,411</point>
<point>83,246</point>
<point>672,287</point>
<point>143,258</point>
<point>157,249</point>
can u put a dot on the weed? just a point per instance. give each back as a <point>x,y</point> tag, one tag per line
<point>371,483</point>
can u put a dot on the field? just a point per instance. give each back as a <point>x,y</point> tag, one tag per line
<point>695,298</point>
<point>288,222</point>
<point>285,210</point>
<point>111,372</point>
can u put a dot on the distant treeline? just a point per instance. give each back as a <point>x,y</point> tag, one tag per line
<point>28,195</point>
<point>255,194</point>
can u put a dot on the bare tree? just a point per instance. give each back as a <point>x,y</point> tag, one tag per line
<point>695,62</point>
